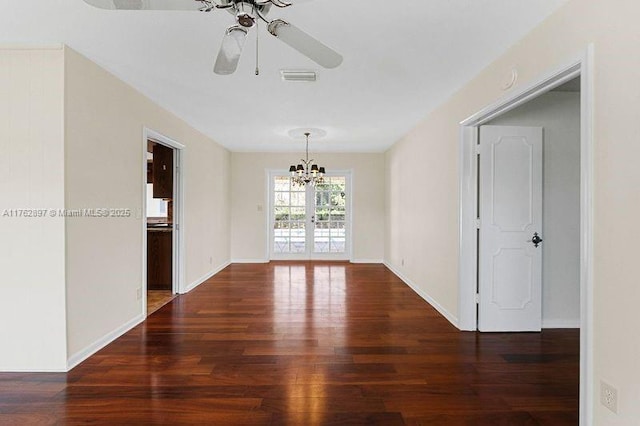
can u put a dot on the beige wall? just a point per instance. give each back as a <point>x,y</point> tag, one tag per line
<point>104,120</point>
<point>249,190</point>
<point>32,275</point>
<point>422,219</point>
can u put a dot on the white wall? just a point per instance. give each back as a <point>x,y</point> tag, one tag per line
<point>422,220</point>
<point>559,114</point>
<point>104,121</point>
<point>32,273</point>
<point>249,190</point>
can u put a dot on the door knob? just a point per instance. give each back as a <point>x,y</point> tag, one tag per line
<point>536,240</point>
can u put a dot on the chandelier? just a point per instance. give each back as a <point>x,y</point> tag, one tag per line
<point>309,174</point>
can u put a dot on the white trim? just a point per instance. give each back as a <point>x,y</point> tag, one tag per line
<point>368,261</point>
<point>430,300</point>
<point>545,84</point>
<point>205,277</point>
<point>269,173</point>
<point>178,243</point>
<point>560,323</point>
<point>249,261</point>
<point>85,353</point>
<point>582,66</point>
<point>159,137</point>
<point>587,377</point>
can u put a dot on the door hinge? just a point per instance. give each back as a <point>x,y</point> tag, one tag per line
<point>477,298</point>
<point>177,226</point>
<point>477,149</point>
<point>478,223</point>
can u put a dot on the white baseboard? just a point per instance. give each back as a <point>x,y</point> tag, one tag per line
<point>85,353</point>
<point>205,277</point>
<point>367,261</point>
<point>560,323</point>
<point>249,261</point>
<point>445,313</point>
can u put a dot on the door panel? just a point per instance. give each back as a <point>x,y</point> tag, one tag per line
<point>330,217</point>
<point>510,266</point>
<point>289,218</point>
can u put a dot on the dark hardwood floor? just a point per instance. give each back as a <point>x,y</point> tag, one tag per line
<point>305,344</point>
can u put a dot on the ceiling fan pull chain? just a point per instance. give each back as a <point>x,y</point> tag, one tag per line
<point>257,47</point>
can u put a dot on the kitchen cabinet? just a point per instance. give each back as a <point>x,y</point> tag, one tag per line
<point>159,259</point>
<point>162,172</point>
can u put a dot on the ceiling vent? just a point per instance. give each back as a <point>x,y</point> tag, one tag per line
<point>303,76</point>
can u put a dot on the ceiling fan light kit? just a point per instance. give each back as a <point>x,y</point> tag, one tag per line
<point>230,51</point>
<point>246,13</point>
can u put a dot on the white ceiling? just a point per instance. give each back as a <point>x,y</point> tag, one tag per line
<point>401,59</point>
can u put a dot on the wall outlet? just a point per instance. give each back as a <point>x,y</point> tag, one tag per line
<point>609,396</point>
<point>210,260</point>
<point>138,293</point>
<point>259,207</point>
<point>402,262</point>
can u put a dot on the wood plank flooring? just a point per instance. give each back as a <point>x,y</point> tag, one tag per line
<point>156,299</point>
<point>307,344</point>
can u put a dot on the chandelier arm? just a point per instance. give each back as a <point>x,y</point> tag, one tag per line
<point>261,16</point>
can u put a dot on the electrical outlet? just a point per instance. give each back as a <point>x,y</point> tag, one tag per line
<point>211,261</point>
<point>138,293</point>
<point>609,396</point>
<point>402,262</point>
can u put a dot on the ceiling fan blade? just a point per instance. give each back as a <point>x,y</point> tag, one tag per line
<point>230,51</point>
<point>305,44</point>
<point>150,4</point>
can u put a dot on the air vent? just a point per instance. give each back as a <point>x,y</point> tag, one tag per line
<point>303,76</point>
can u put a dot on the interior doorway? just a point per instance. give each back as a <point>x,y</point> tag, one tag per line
<point>581,67</point>
<point>310,222</point>
<point>161,221</point>
<point>549,270</point>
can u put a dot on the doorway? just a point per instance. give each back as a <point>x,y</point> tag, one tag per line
<point>161,222</point>
<point>581,68</point>
<point>310,222</point>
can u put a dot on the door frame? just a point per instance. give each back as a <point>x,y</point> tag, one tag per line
<point>580,66</point>
<point>348,255</point>
<point>178,283</point>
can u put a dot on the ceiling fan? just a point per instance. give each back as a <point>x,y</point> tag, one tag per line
<point>247,15</point>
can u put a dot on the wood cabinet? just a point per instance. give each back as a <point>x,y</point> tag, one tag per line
<point>162,171</point>
<point>159,259</point>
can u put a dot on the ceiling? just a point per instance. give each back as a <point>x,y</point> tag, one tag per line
<point>401,60</point>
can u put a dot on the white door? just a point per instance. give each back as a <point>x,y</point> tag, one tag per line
<point>309,222</point>
<point>510,264</point>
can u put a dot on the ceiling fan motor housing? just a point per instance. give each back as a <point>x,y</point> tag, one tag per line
<point>245,11</point>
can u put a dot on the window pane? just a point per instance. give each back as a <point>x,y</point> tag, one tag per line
<point>282,213</point>
<point>298,213</point>
<point>338,245</point>
<point>298,199</point>
<point>281,183</point>
<point>282,198</point>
